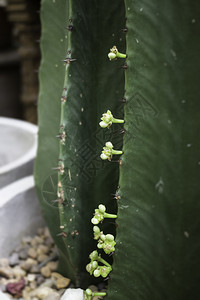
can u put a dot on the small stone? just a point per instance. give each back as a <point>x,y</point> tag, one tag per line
<point>35,269</point>
<point>18,272</point>
<point>26,293</point>
<point>41,292</point>
<point>15,288</point>
<point>42,257</point>
<point>2,288</point>
<point>23,253</point>
<point>6,272</point>
<point>4,281</point>
<point>45,271</point>
<point>48,282</point>
<point>72,294</point>
<point>32,253</point>
<point>31,277</point>
<point>53,296</point>
<point>27,264</point>
<point>61,292</point>
<point>4,296</point>
<point>61,282</point>
<point>52,265</point>
<point>14,259</point>
<point>36,241</point>
<point>4,262</point>
<point>39,279</point>
<point>33,285</point>
<point>42,249</point>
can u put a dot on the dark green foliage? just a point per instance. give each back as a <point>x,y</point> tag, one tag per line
<point>158,245</point>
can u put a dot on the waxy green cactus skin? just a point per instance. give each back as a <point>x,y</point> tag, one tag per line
<point>158,244</point>
<point>157,250</point>
<point>90,90</point>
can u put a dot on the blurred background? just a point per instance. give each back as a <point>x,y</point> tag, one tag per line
<point>19,58</point>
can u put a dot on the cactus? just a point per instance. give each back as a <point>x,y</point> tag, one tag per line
<point>76,87</point>
<point>155,182</point>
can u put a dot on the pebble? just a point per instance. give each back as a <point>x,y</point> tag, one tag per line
<point>14,259</point>
<point>6,272</point>
<point>18,272</point>
<point>39,279</point>
<point>25,293</point>
<point>3,296</point>
<point>52,296</point>
<point>4,262</point>
<point>2,288</point>
<point>35,262</point>
<point>48,282</point>
<point>32,253</point>
<point>73,294</point>
<point>52,265</point>
<point>23,252</point>
<point>31,277</point>
<point>45,271</point>
<point>35,269</point>
<point>41,292</point>
<point>36,241</point>
<point>27,264</point>
<point>33,285</point>
<point>42,249</point>
<point>42,257</point>
<point>61,282</point>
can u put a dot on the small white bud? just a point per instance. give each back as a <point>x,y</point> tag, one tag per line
<point>102,208</point>
<point>104,156</point>
<point>109,145</point>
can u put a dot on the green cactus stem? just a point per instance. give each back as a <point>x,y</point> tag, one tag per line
<point>108,151</point>
<point>108,119</point>
<point>158,244</point>
<point>73,94</point>
<point>114,54</point>
<point>100,214</point>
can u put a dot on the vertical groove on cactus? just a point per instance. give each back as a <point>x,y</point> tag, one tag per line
<point>61,176</point>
